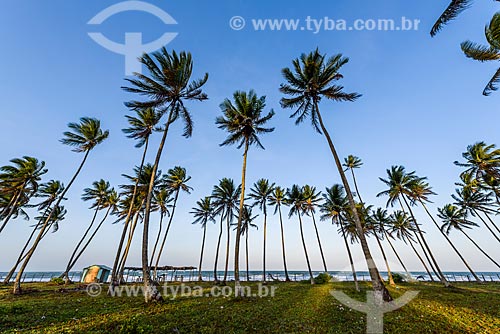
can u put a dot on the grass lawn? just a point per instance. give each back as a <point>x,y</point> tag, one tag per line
<point>295,308</point>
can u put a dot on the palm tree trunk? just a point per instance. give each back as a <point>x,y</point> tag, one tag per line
<point>378,285</point>
<point>319,243</point>
<point>150,290</point>
<point>354,275</point>
<point>90,239</point>
<point>228,233</point>
<point>114,280</point>
<point>287,278</point>
<point>305,249</point>
<point>356,185</point>
<point>216,278</point>
<point>202,249</point>
<point>485,224</point>
<point>491,221</point>
<point>478,247</point>
<point>264,278</point>
<point>396,253</point>
<point>451,243</point>
<point>157,240</point>
<point>12,209</point>
<point>66,272</point>
<point>246,253</point>
<point>238,292</point>
<point>17,281</point>
<point>123,260</point>
<point>420,258</point>
<point>391,280</point>
<point>160,252</point>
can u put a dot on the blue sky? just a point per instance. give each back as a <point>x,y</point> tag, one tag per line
<point>421,106</point>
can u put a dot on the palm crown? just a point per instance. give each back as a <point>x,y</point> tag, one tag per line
<point>454,218</point>
<point>142,126</point>
<point>261,193</point>
<point>86,134</point>
<point>203,212</point>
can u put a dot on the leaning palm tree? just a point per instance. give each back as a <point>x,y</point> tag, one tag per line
<point>333,208</point>
<point>203,213</point>
<point>176,181</point>
<point>49,191</point>
<point>314,77</point>
<point>246,223</point>
<point>277,199</point>
<point>98,193</point>
<point>226,198</point>
<point>456,218</point>
<point>400,185</point>
<point>168,87</point>
<point>86,136</point>
<point>312,199</point>
<point>141,127</point>
<point>490,52</point>
<point>261,193</point>
<point>295,198</point>
<point>244,122</point>
<point>20,182</point>
<point>350,163</point>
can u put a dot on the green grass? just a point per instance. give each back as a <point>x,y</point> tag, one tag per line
<point>296,308</point>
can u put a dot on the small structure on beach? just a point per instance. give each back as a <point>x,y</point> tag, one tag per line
<point>96,273</point>
<point>163,273</point>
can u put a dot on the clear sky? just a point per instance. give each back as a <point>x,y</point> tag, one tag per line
<point>421,107</point>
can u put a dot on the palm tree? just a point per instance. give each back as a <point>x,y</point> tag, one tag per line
<point>141,128</point>
<point>226,201</point>
<point>403,226</point>
<point>244,122</point>
<point>334,208</point>
<point>162,202</point>
<point>20,183</point>
<point>49,191</point>
<point>456,218</point>
<point>450,13</point>
<point>86,136</point>
<point>314,77</point>
<point>377,224</point>
<point>350,163</point>
<point>312,199</point>
<point>261,193</point>
<point>277,199</point>
<point>487,53</point>
<point>295,198</point>
<point>176,180</point>
<point>111,203</point>
<point>400,184</point>
<point>168,87</point>
<point>246,223</point>
<point>203,213</point>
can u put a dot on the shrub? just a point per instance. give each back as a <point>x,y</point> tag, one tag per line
<point>322,278</point>
<point>398,278</point>
<point>56,281</point>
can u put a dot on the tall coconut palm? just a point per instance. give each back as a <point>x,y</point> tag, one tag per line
<point>98,193</point>
<point>226,197</point>
<point>377,224</point>
<point>243,119</point>
<point>261,193</point>
<point>350,163</point>
<point>141,127</point>
<point>400,184</point>
<point>403,226</point>
<point>20,181</point>
<point>110,203</point>
<point>315,77</point>
<point>246,223</point>
<point>167,88</point>
<point>333,208</point>
<point>84,137</point>
<point>162,202</point>
<point>312,199</point>
<point>456,218</point>
<point>420,191</point>
<point>295,198</point>
<point>49,192</point>
<point>203,213</point>
<point>176,181</point>
<point>278,199</point>
<point>488,52</point>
